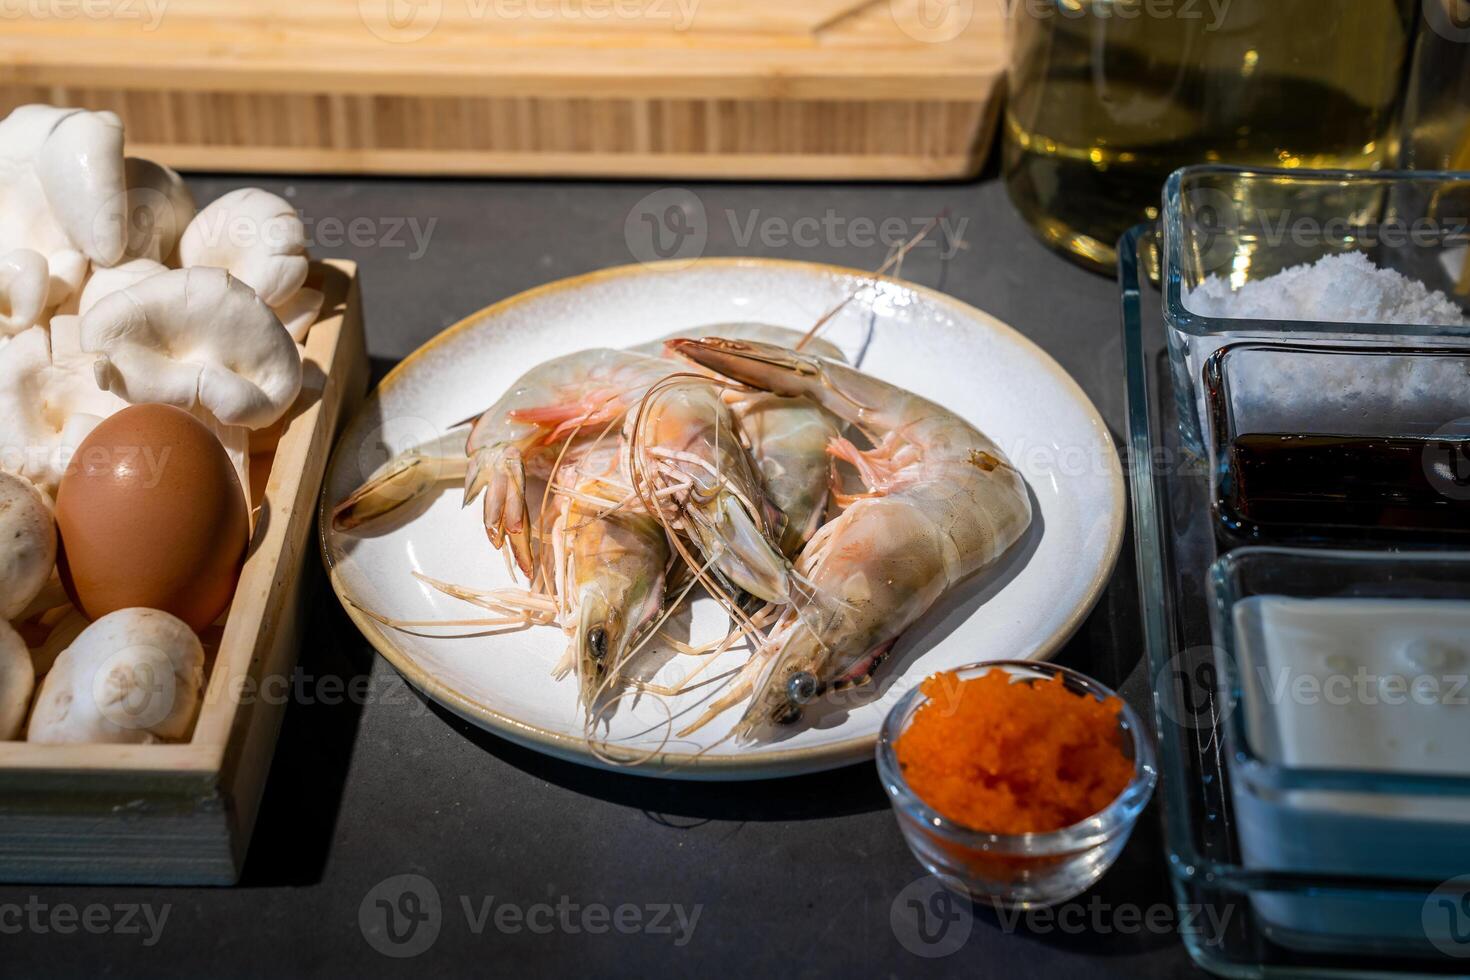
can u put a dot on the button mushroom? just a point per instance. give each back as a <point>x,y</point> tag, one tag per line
<point>17,681</point>
<point>203,341</point>
<point>133,676</point>
<point>27,544</point>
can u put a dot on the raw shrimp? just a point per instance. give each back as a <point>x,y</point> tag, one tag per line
<point>787,437</point>
<point>610,564</point>
<point>521,434</point>
<point>942,502</point>
<point>685,451</point>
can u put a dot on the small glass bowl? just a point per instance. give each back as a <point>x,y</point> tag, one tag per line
<point>1018,871</point>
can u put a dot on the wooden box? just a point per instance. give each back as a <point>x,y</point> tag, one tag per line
<point>764,89</point>
<point>182,814</point>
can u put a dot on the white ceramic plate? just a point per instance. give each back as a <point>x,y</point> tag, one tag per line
<point>1024,607</point>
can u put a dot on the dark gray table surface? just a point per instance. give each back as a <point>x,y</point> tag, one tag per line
<point>804,876</point>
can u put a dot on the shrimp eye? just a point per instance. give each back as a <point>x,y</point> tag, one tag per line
<point>801,688</point>
<point>597,643</point>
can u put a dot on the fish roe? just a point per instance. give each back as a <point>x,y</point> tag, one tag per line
<point>1013,757</point>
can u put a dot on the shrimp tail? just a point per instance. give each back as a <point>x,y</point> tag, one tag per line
<point>499,473</point>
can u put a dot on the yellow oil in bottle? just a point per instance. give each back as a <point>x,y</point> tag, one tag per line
<point>1107,97</point>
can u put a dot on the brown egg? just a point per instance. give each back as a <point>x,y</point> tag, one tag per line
<point>151,514</point>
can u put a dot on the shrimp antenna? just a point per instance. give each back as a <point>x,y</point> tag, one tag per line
<point>894,259</point>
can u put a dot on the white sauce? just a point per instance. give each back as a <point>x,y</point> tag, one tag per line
<point>1377,684</point>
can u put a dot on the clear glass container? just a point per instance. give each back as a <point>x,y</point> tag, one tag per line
<point>1018,870</point>
<point>1333,817</point>
<point>1229,901</point>
<point>1322,443</point>
<point>1106,97</point>
<point>1245,225</point>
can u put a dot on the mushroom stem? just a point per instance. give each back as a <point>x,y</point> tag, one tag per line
<point>236,440</point>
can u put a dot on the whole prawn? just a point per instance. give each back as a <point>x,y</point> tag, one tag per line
<point>942,502</point>
<point>609,565</point>
<point>787,437</point>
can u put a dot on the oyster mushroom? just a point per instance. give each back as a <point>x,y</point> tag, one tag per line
<point>105,280</point>
<point>27,544</point>
<point>255,236</point>
<point>203,341</point>
<point>17,681</point>
<point>45,410</point>
<point>133,676</point>
<point>63,190</point>
<point>25,284</point>
<point>159,208</point>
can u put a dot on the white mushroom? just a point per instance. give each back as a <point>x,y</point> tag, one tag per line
<point>254,235</point>
<point>133,676</point>
<point>203,341</point>
<point>27,544</point>
<point>105,280</point>
<point>17,681</point>
<point>74,159</point>
<point>45,411</point>
<point>300,311</point>
<point>159,208</point>
<point>25,284</point>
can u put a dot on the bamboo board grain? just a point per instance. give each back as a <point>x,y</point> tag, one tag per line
<point>894,89</point>
<point>183,814</point>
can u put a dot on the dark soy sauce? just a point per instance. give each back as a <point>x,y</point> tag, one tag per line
<point>1346,486</point>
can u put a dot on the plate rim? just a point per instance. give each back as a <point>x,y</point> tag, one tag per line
<point>692,765</point>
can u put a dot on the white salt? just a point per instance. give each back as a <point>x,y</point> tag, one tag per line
<point>1346,288</point>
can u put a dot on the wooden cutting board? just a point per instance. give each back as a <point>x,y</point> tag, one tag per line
<point>892,89</point>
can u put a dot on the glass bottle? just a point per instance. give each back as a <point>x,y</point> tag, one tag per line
<point>1106,97</point>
